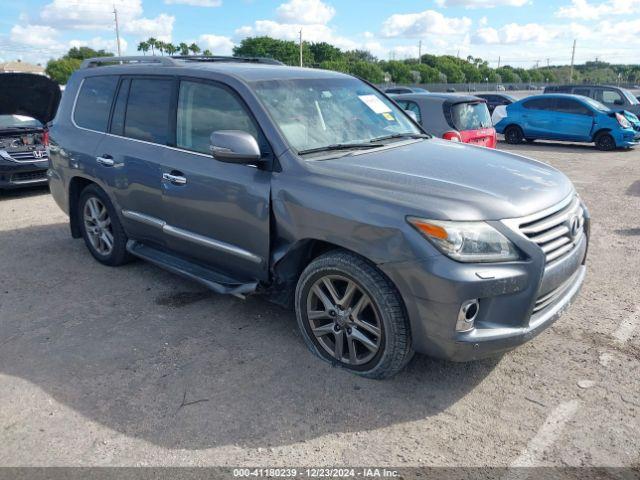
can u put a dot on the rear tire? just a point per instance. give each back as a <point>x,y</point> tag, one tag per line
<point>605,142</point>
<point>100,227</point>
<point>513,135</point>
<point>352,316</point>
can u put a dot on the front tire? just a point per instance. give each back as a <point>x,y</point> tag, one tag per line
<point>101,229</point>
<point>352,316</point>
<point>513,135</point>
<point>605,142</point>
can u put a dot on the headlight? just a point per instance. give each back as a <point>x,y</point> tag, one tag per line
<point>467,241</point>
<point>622,121</point>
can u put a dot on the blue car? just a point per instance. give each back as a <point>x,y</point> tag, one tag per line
<point>565,117</point>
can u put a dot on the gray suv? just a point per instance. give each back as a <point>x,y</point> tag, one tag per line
<point>615,98</point>
<point>315,189</point>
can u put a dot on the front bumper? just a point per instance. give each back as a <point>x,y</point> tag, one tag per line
<point>433,291</point>
<point>16,175</point>
<point>627,138</point>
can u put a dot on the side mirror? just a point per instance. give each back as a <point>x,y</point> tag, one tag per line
<point>412,114</point>
<point>234,146</point>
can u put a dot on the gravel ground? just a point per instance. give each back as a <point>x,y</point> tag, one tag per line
<point>135,366</point>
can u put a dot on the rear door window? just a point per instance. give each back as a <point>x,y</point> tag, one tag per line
<point>540,104</point>
<point>470,116</point>
<point>148,110</point>
<point>93,104</point>
<point>585,92</point>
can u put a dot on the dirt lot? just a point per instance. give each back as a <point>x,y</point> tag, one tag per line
<point>135,366</point>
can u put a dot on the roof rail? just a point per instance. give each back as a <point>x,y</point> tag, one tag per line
<point>220,58</point>
<point>97,61</point>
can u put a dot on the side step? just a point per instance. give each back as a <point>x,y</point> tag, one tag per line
<point>211,279</point>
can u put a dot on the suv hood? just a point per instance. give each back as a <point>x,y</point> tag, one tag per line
<point>448,180</point>
<point>29,94</point>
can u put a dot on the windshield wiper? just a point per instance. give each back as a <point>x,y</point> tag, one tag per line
<point>400,135</point>
<point>340,146</point>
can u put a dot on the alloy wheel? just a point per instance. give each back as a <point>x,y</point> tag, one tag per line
<point>343,319</point>
<point>97,224</point>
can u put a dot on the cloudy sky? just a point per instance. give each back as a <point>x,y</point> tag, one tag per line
<point>519,32</point>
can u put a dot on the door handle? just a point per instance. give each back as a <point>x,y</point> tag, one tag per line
<point>175,179</point>
<point>106,160</point>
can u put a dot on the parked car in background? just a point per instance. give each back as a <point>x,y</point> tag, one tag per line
<point>615,98</point>
<point>500,88</point>
<point>496,99</point>
<point>460,118</point>
<point>565,117</point>
<point>27,103</point>
<point>398,90</point>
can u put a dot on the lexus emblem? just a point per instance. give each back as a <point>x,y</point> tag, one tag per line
<point>38,154</point>
<point>574,226</point>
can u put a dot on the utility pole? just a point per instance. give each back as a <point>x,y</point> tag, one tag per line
<point>420,51</point>
<point>573,55</point>
<point>300,47</point>
<point>537,64</point>
<point>499,58</point>
<point>547,63</point>
<point>115,14</point>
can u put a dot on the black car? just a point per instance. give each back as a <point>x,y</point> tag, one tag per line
<point>27,103</point>
<point>496,99</point>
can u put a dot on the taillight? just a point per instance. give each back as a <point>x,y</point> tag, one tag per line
<point>453,136</point>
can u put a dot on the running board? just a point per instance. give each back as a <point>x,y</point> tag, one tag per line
<point>211,279</point>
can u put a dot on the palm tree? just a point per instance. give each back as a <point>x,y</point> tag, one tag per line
<point>207,53</point>
<point>161,46</point>
<point>184,49</point>
<point>143,47</point>
<point>170,48</point>
<point>195,49</point>
<point>153,43</point>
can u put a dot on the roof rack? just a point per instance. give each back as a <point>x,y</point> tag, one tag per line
<point>220,58</point>
<point>97,61</point>
<point>173,61</point>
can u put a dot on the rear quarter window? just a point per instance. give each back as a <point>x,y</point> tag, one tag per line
<point>93,104</point>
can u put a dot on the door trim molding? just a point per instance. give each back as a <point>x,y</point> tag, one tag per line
<point>192,237</point>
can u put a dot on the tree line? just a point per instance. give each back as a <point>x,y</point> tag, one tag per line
<point>427,69</point>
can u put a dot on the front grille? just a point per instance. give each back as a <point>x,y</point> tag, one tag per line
<point>29,177</point>
<point>547,299</point>
<point>558,231</point>
<point>28,156</point>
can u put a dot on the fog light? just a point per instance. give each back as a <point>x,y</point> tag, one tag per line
<point>467,315</point>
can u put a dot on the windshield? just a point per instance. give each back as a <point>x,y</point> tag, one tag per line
<point>595,104</point>
<point>632,100</point>
<point>470,116</point>
<point>19,121</point>
<point>318,113</point>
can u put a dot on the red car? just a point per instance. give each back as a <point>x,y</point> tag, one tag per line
<point>459,118</point>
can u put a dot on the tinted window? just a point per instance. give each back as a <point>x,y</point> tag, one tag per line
<point>148,110</point>
<point>204,108</point>
<point>610,96</point>
<point>567,105</point>
<point>540,104</point>
<point>94,102</point>
<point>412,107</point>
<point>470,116</point>
<point>117,120</point>
<point>582,91</point>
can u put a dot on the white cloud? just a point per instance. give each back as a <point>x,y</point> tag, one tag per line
<point>290,31</point>
<point>305,12</point>
<point>195,3</point>
<point>583,10</point>
<point>160,27</point>
<point>470,4</point>
<point>34,35</point>
<point>217,44</point>
<point>424,23</point>
<point>514,33</point>
<point>81,15</point>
